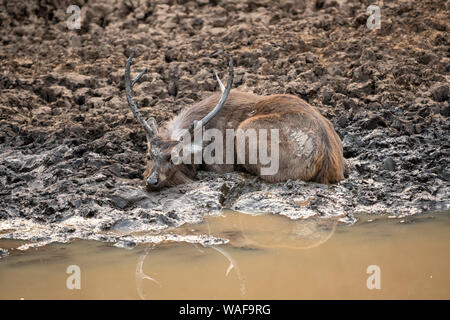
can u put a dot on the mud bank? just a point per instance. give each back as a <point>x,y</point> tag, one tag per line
<point>72,155</point>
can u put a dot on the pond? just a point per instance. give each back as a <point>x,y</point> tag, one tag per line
<point>265,257</point>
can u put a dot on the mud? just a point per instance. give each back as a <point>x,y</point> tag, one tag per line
<point>72,155</point>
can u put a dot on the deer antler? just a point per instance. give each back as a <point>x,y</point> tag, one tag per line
<point>223,98</point>
<point>222,87</point>
<point>133,107</point>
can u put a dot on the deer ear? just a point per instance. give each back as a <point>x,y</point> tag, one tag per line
<point>175,159</point>
<point>153,125</point>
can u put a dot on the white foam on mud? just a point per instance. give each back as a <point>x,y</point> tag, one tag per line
<point>150,217</point>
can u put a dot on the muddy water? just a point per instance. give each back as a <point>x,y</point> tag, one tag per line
<point>267,256</point>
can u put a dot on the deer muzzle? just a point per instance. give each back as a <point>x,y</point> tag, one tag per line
<point>152,181</point>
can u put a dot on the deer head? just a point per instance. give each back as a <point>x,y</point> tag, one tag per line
<point>162,170</point>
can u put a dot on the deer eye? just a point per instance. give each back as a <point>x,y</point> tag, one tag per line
<point>149,157</point>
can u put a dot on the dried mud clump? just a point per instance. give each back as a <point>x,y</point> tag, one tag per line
<point>72,155</point>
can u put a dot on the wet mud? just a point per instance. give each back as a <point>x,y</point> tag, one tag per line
<point>72,154</point>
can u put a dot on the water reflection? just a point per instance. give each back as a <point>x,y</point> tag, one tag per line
<point>244,231</point>
<point>265,230</point>
<point>266,257</point>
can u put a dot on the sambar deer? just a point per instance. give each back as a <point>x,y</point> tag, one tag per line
<point>309,148</point>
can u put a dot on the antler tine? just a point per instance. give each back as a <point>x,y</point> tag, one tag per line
<point>222,100</point>
<point>222,87</point>
<point>133,107</point>
<point>138,77</point>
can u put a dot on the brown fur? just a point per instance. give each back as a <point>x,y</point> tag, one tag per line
<point>321,159</point>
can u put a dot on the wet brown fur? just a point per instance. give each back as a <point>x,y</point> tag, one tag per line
<point>290,114</point>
